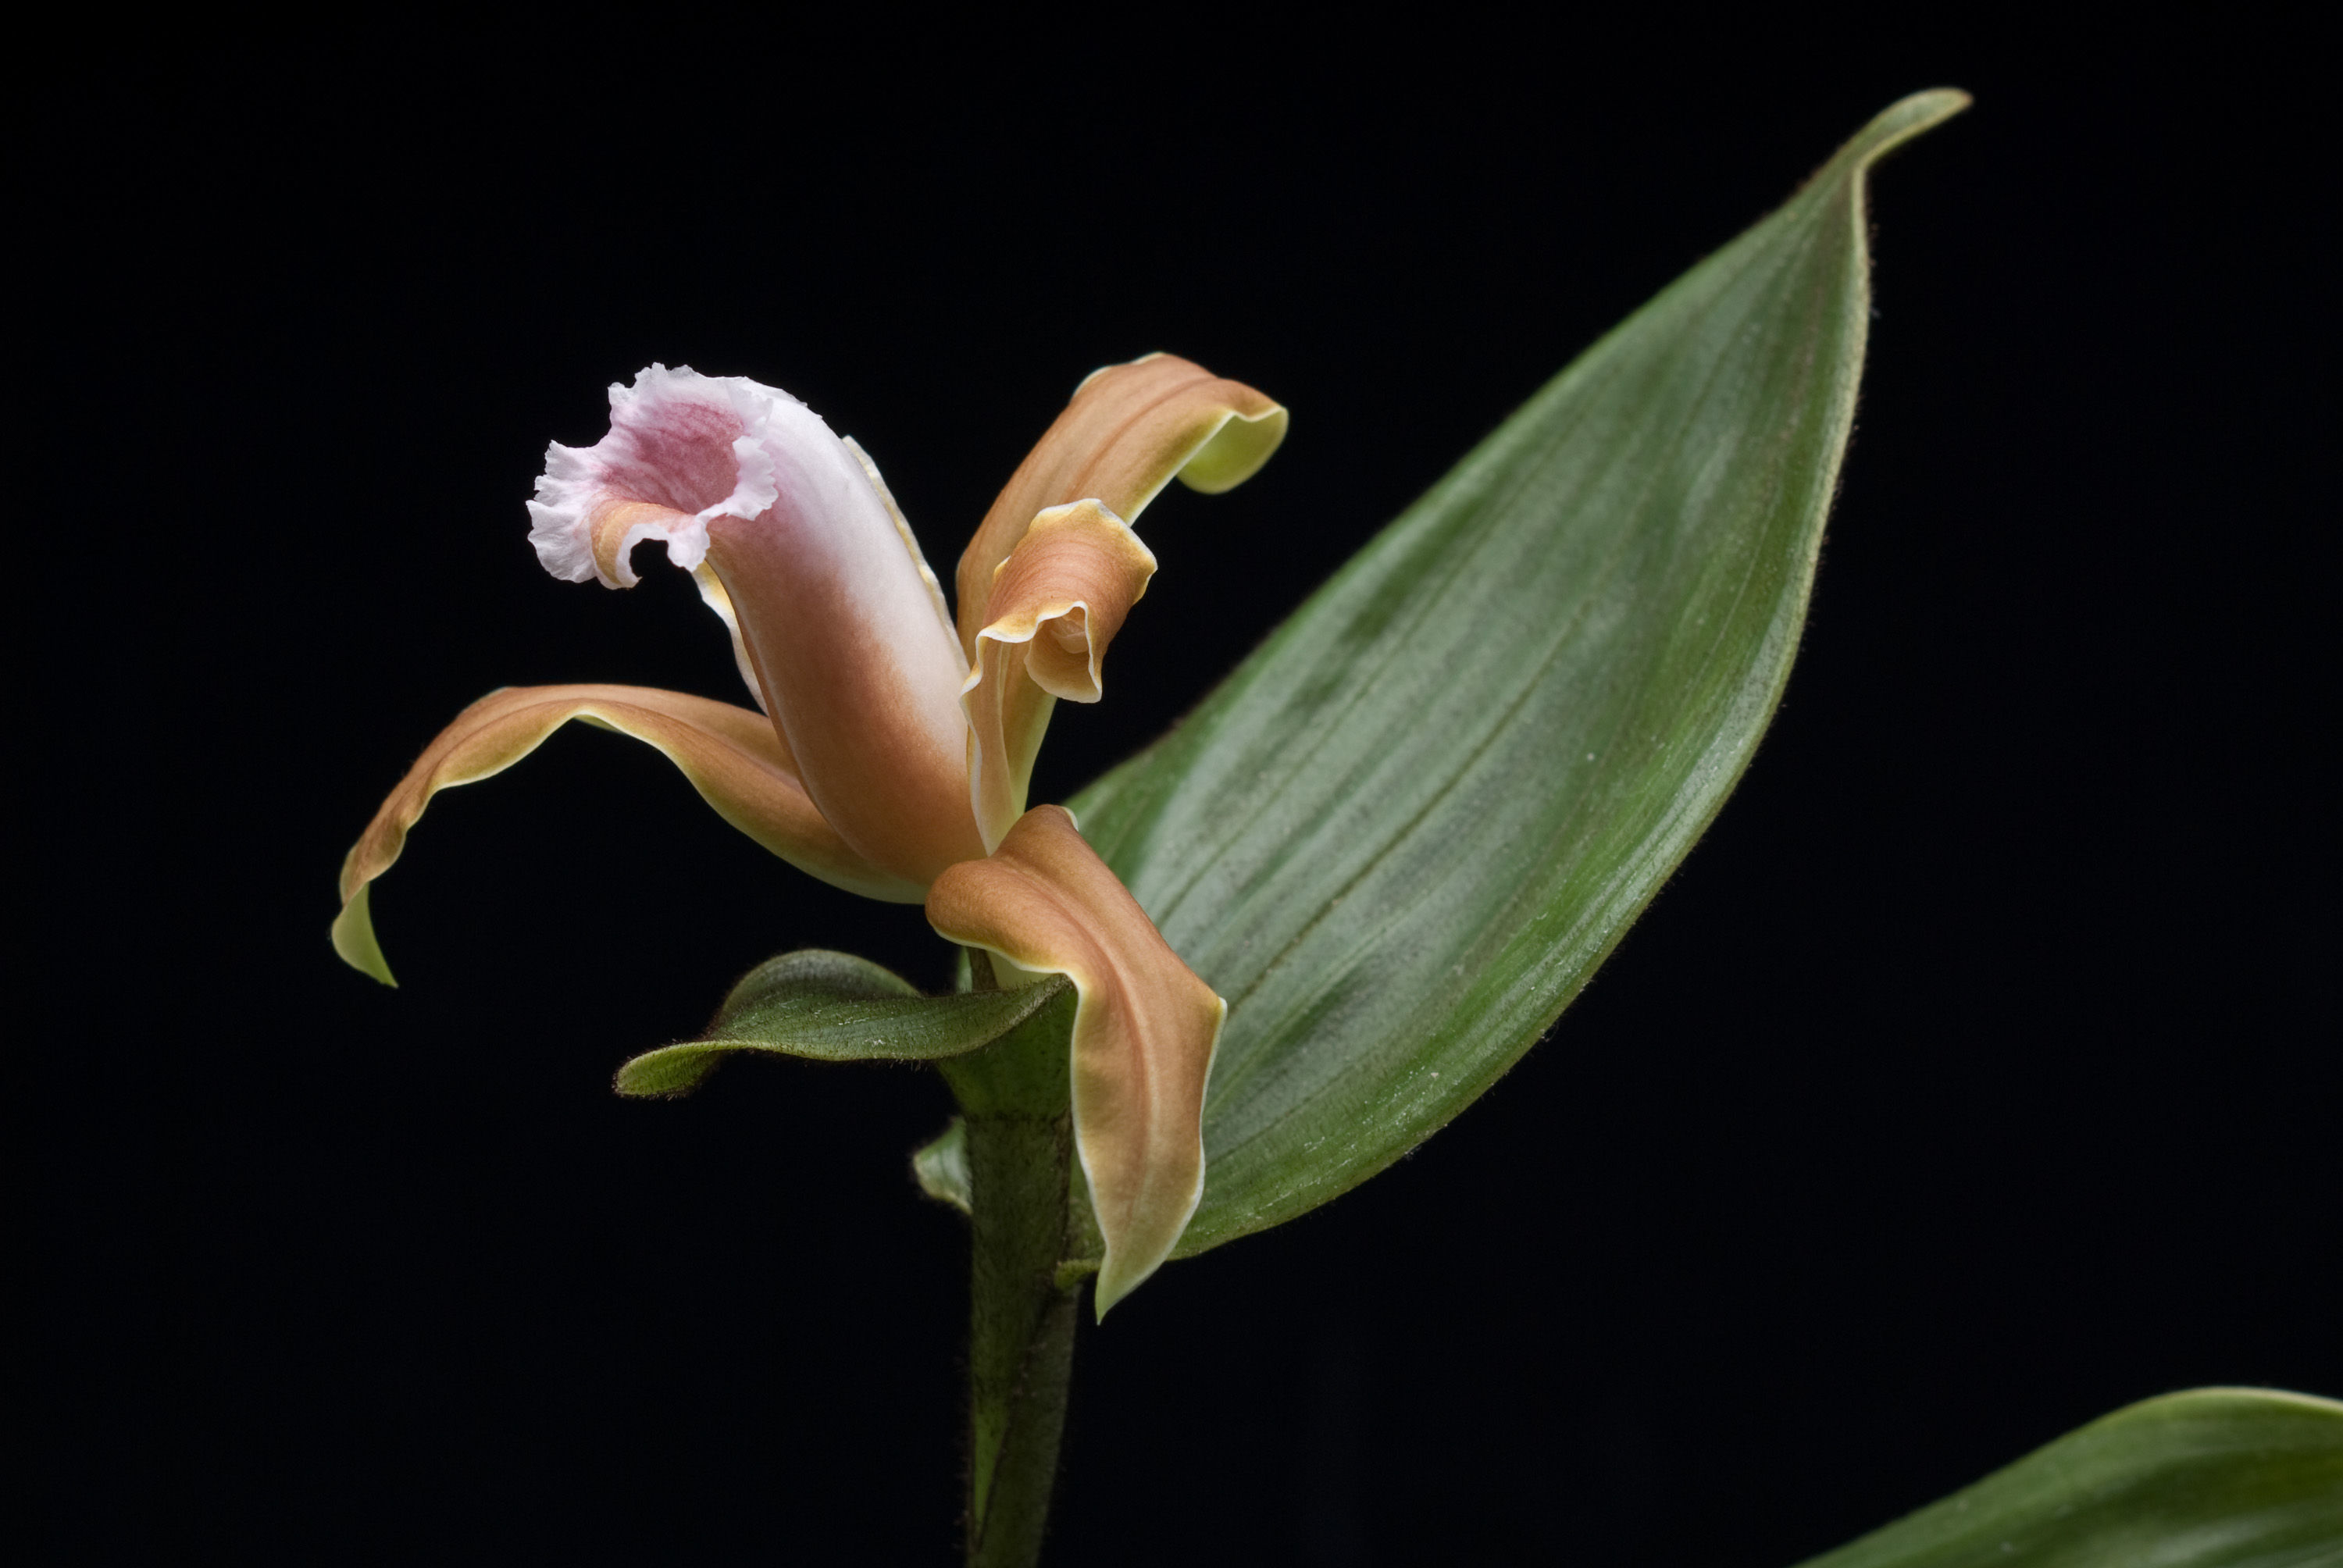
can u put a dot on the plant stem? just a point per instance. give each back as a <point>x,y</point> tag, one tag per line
<point>1014,1099</point>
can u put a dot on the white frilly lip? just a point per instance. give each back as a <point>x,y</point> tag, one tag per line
<point>836,623</point>
<point>693,445</point>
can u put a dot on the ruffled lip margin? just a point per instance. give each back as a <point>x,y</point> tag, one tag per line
<point>581,484</point>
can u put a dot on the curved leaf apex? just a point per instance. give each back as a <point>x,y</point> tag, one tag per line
<point>1897,124</point>
<point>354,938</point>
<point>669,1073</point>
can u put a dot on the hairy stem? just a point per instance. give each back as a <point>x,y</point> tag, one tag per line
<point>1014,1099</point>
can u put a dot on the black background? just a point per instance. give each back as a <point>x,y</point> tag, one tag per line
<point>1973,1077</point>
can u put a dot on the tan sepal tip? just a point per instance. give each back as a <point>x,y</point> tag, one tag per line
<point>1145,1028</point>
<point>354,938</point>
<point>1235,452</point>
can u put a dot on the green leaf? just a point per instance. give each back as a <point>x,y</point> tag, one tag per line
<point>942,1166</point>
<point>1401,835</point>
<point>2204,1479</point>
<point>835,1007</point>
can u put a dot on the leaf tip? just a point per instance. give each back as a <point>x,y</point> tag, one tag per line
<point>1900,121</point>
<point>670,1072</point>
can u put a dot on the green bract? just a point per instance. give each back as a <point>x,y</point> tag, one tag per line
<point>835,1007</point>
<point>2214,1478</point>
<point>1404,834</point>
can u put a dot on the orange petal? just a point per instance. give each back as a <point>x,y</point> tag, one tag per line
<point>1128,431</point>
<point>1057,601</point>
<point>861,675</point>
<point>732,756</point>
<point>1144,1028</point>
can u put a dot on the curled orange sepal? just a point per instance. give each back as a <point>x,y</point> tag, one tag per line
<point>1128,429</point>
<point>1056,603</point>
<point>1145,1028</point>
<point>733,757</point>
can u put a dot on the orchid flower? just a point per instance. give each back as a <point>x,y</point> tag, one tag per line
<point>894,746</point>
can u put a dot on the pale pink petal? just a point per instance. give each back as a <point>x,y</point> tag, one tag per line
<point>834,613</point>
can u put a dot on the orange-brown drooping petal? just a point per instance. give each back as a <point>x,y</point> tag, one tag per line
<point>1145,1028</point>
<point>1128,431</point>
<point>1057,602</point>
<point>733,757</point>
